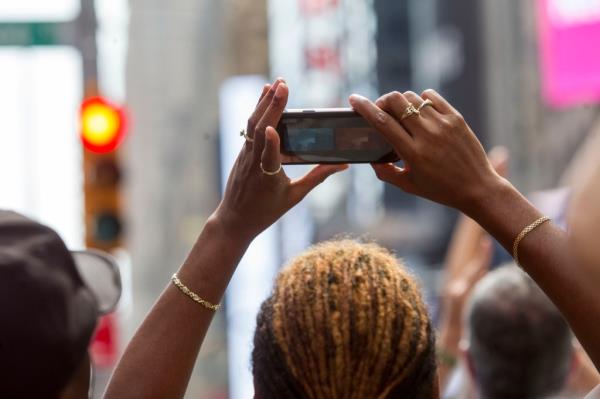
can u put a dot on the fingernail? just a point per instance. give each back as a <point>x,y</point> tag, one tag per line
<point>354,98</point>
<point>280,79</point>
<point>280,88</point>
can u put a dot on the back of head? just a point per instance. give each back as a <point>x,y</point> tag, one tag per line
<point>47,315</point>
<point>519,344</point>
<point>345,320</point>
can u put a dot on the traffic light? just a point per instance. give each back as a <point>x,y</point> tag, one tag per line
<point>102,125</point>
<point>102,129</point>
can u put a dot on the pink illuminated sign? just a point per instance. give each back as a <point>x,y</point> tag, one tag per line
<point>569,32</point>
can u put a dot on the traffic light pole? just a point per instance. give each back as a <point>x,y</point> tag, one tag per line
<point>101,169</point>
<point>102,172</point>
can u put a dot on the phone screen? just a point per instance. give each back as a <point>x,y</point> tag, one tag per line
<point>331,137</point>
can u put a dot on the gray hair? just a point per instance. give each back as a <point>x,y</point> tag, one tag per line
<point>520,345</point>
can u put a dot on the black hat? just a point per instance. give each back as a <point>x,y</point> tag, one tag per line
<point>50,299</point>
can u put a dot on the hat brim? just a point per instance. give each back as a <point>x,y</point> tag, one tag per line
<point>100,273</point>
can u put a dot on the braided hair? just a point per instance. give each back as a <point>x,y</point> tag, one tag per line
<point>345,320</point>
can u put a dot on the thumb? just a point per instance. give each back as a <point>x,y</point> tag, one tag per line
<point>270,157</point>
<point>390,173</point>
<point>302,186</point>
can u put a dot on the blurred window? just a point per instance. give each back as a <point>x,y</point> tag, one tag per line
<point>38,10</point>
<point>40,152</point>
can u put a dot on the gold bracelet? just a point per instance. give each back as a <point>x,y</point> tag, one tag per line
<point>523,233</point>
<point>193,295</point>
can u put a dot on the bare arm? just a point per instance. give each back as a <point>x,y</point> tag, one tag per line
<point>457,290</point>
<point>444,162</point>
<point>159,359</point>
<point>546,256</point>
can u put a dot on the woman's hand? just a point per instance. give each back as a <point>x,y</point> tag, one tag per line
<point>253,199</point>
<point>443,160</point>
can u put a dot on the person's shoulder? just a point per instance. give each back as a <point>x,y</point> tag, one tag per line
<point>595,394</point>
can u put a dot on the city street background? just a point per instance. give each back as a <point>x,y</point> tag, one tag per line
<point>182,76</point>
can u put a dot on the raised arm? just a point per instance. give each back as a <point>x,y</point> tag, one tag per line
<point>468,260</point>
<point>159,359</point>
<point>444,162</point>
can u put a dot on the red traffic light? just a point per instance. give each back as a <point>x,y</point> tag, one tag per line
<point>102,125</point>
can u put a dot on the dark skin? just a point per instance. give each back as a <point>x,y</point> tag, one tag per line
<point>444,162</point>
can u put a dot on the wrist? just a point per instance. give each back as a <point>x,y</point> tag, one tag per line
<point>486,197</point>
<point>449,336</point>
<point>212,260</point>
<point>452,310</point>
<point>230,226</point>
<point>502,211</point>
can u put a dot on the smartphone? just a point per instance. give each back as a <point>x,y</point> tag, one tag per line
<point>331,136</point>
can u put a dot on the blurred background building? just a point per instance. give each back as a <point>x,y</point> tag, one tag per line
<point>170,69</point>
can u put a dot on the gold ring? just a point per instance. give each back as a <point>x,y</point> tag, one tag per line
<point>410,111</point>
<point>266,172</point>
<point>424,104</point>
<point>245,135</point>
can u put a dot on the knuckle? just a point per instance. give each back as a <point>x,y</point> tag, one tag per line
<point>428,93</point>
<point>447,122</point>
<point>251,123</point>
<point>395,96</point>
<point>410,94</point>
<point>277,100</point>
<point>382,97</point>
<point>382,102</point>
<point>259,131</point>
<point>455,120</point>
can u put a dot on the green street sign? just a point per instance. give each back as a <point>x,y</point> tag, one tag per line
<point>29,33</point>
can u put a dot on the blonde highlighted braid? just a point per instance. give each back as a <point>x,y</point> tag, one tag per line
<point>345,320</point>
